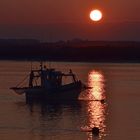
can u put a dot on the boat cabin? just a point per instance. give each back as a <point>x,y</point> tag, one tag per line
<point>49,78</point>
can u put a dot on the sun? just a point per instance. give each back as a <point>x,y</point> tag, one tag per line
<point>96,15</point>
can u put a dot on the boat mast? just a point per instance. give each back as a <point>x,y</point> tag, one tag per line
<point>41,65</point>
<point>41,74</point>
<point>31,65</point>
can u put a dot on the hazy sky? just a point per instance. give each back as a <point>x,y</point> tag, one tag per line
<point>64,19</point>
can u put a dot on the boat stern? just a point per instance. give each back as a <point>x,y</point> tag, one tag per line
<point>17,90</point>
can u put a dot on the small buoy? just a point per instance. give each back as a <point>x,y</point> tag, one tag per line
<point>95,131</point>
<point>103,101</point>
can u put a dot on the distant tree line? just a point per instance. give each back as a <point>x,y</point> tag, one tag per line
<point>88,51</point>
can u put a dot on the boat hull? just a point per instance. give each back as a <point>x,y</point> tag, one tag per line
<point>66,92</point>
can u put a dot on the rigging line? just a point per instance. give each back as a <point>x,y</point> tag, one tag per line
<point>22,81</point>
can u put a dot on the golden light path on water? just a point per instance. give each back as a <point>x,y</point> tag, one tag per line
<point>96,82</point>
<point>95,109</point>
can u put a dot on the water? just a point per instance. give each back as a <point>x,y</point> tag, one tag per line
<point>118,118</point>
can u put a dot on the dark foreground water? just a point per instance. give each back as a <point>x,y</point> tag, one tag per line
<point>118,118</point>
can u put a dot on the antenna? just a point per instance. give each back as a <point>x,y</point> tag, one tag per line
<point>49,64</point>
<point>31,65</point>
<point>41,65</point>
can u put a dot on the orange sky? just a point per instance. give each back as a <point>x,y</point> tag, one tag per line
<point>64,19</point>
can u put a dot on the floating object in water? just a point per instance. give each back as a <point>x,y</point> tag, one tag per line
<point>95,131</point>
<point>103,101</point>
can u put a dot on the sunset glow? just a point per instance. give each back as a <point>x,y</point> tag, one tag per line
<point>96,15</point>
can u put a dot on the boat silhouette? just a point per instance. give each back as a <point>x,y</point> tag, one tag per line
<point>50,85</point>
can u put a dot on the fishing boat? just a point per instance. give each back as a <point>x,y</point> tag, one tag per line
<point>47,83</point>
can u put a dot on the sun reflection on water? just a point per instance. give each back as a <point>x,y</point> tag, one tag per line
<point>96,112</point>
<point>96,82</point>
<point>95,108</point>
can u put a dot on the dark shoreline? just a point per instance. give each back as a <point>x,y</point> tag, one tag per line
<point>71,51</point>
<point>65,60</point>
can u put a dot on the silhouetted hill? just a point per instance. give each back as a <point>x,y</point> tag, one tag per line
<point>75,50</point>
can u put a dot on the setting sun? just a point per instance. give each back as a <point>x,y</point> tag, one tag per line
<point>96,15</point>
